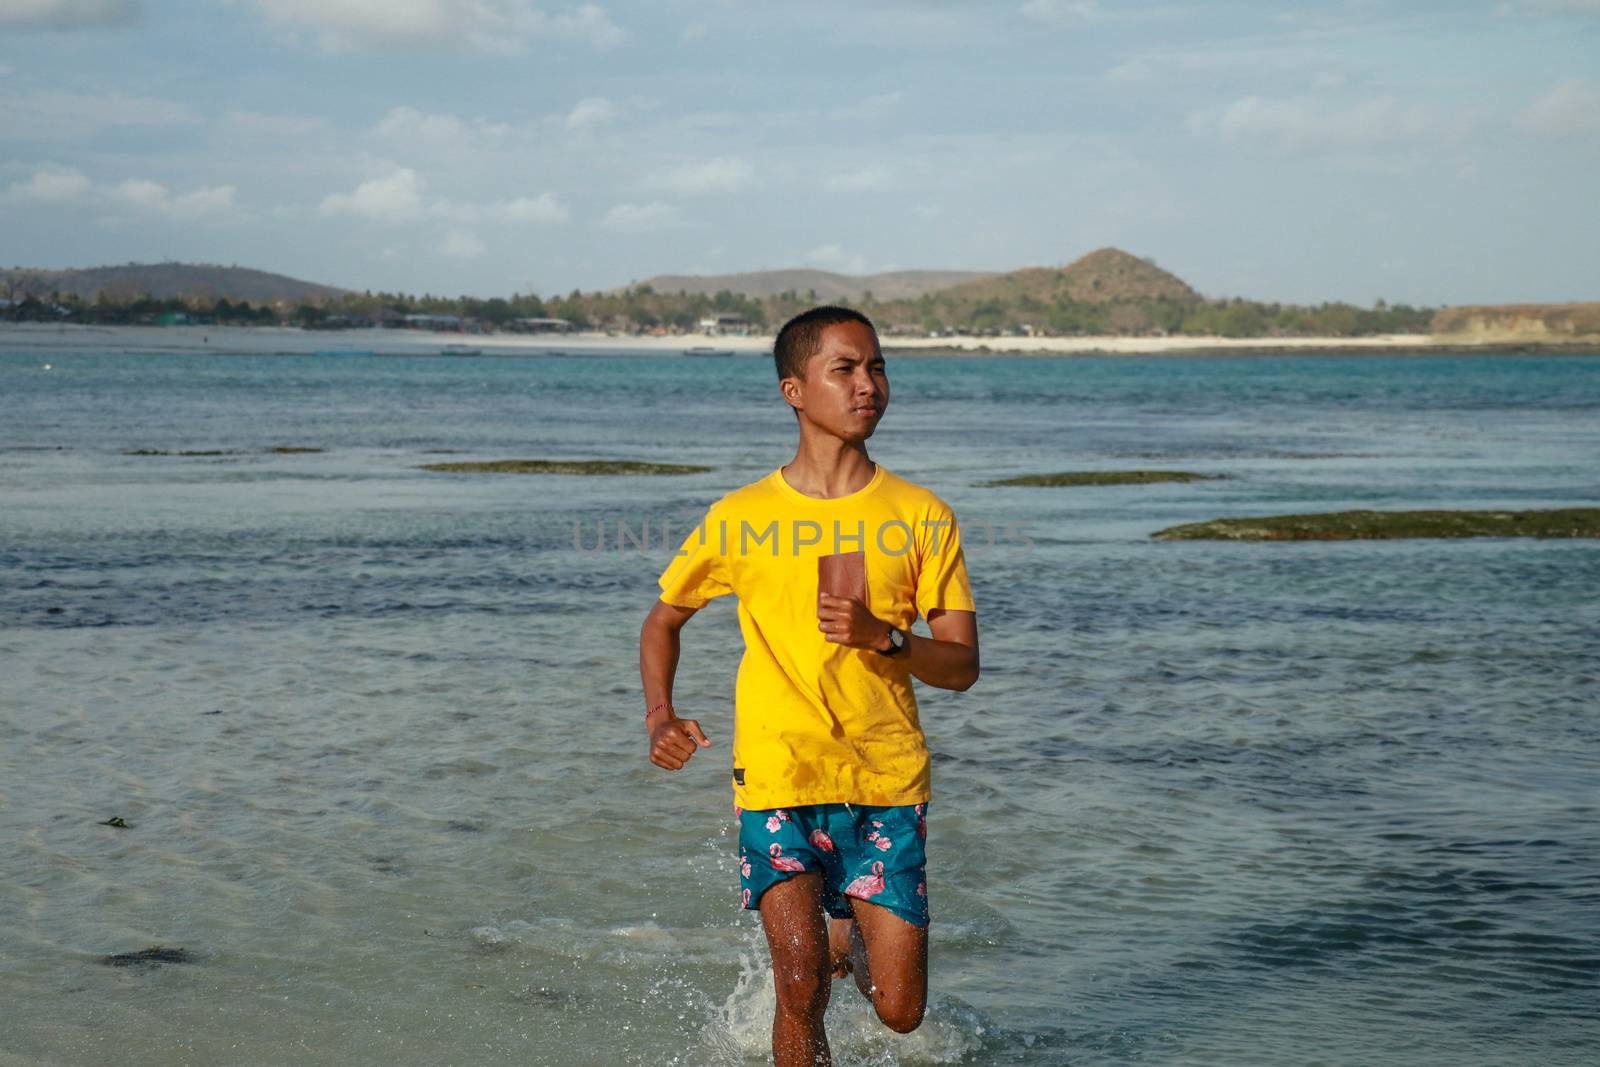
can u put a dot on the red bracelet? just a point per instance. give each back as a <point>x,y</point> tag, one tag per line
<point>655,708</point>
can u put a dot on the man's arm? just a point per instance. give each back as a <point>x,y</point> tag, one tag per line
<point>947,660</point>
<point>672,740</point>
<point>950,657</point>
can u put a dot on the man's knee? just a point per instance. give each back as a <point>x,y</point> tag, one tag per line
<point>901,1013</point>
<point>803,986</point>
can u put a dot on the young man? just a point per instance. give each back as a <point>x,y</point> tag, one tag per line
<point>830,767</point>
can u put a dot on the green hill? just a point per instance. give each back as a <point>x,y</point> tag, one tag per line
<point>1106,291</point>
<point>1104,276</point>
<point>164,281</point>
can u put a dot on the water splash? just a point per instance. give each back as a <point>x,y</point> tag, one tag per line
<point>740,1031</point>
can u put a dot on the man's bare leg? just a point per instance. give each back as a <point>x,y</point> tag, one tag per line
<point>791,913</point>
<point>848,954</point>
<point>890,960</point>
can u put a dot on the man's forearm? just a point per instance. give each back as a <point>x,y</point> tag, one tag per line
<point>941,664</point>
<point>658,663</point>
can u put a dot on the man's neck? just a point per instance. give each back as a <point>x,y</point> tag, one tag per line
<point>829,468</point>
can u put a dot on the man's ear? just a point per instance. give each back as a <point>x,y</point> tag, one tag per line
<point>790,388</point>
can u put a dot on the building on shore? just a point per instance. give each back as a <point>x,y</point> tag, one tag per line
<point>442,323</point>
<point>725,325</point>
<point>538,326</point>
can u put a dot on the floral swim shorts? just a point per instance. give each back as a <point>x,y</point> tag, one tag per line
<point>867,852</point>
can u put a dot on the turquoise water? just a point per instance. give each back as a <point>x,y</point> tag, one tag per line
<point>376,730</point>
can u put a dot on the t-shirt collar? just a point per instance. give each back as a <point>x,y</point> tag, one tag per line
<point>783,486</point>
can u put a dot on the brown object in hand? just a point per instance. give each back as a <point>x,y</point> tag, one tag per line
<point>843,574</point>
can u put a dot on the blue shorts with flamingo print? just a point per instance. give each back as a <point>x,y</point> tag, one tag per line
<point>864,852</point>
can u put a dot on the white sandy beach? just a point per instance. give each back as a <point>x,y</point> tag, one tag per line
<point>235,340</point>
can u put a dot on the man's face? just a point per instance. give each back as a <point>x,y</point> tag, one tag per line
<point>846,387</point>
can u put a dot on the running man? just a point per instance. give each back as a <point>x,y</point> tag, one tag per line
<point>830,766</point>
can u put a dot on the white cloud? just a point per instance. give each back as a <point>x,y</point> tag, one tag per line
<point>461,244</point>
<point>589,22</point>
<point>724,174</point>
<point>1297,125</point>
<point>410,126</point>
<point>834,258</point>
<point>140,193</point>
<point>400,197</point>
<point>1063,12</point>
<point>641,218</point>
<point>494,26</point>
<point>865,180</point>
<point>55,116</point>
<point>544,209</point>
<point>51,185</point>
<point>66,14</point>
<point>1293,60</point>
<point>1137,69</point>
<point>591,111</point>
<point>154,198</point>
<point>1571,109</point>
<point>207,200</point>
<point>394,198</point>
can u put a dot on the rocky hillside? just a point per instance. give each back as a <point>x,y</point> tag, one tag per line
<point>164,281</point>
<point>1520,322</point>
<point>1106,275</point>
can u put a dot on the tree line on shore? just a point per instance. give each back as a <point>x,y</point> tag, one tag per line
<point>641,309</point>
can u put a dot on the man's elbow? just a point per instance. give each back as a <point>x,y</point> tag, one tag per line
<point>665,618</point>
<point>968,677</point>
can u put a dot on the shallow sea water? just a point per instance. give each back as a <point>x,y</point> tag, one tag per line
<point>376,731</point>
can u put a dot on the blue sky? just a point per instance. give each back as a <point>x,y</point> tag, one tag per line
<point>1434,153</point>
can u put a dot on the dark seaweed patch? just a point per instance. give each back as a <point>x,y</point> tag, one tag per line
<point>148,957</point>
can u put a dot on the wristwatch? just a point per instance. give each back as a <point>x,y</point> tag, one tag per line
<point>897,643</point>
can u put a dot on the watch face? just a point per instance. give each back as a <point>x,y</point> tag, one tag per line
<point>897,638</point>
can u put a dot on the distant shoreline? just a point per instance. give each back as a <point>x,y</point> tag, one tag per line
<point>270,340</point>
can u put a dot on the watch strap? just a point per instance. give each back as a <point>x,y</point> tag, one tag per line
<point>895,647</point>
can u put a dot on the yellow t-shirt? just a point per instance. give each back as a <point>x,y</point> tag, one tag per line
<point>816,722</point>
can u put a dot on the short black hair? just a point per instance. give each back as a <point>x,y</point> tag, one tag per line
<point>801,337</point>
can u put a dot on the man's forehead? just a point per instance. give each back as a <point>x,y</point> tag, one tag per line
<point>850,340</point>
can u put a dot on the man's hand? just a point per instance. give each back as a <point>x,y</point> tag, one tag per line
<point>673,741</point>
<point>846,621</point>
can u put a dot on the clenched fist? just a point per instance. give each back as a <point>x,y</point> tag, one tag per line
<point>673,741</point>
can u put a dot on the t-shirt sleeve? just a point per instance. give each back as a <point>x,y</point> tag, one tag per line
<point>699,572</point>
<point>942,574</point>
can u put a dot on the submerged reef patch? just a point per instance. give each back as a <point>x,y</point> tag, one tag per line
<point>1067,478</point>
<point>1392,525</point>
<point>563,466</point>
